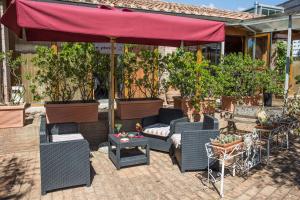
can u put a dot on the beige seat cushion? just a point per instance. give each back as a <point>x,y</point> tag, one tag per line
<point>158,129</point>
<point>176,139</point>
<point>66,137</point>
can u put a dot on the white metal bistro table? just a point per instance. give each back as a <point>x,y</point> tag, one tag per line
<point>223,155</point>
<point>284,128</point>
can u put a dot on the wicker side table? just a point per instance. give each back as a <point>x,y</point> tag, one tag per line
<point>124,154</point>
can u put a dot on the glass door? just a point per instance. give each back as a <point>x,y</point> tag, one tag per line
<point>258,46</point>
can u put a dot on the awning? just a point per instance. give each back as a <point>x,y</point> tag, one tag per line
<point>44,21</point>
<point>272,23</point>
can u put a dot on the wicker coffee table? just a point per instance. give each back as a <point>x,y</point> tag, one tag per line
<point>124,154</point>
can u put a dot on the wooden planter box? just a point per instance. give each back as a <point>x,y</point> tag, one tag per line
<point>71,112</point>
<point>12,116</point>
<point>228,103</point>
<point>138,108</point>
<point>207,106</point>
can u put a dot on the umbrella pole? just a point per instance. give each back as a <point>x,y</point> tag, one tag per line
<point>111,112</point>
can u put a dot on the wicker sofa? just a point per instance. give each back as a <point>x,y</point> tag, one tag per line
<point>159,129</point>
<point>64,156</point>
<point>189,142</point>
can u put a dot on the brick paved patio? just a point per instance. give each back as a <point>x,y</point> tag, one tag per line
<point>20,178</point>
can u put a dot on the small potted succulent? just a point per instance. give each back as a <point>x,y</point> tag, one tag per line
<point>225,143</point>
<point>264,121</point>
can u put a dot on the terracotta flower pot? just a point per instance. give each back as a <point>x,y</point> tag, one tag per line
<point>220,148</point>
<point>12,116</point>
<point>185,104</point>
<point>228,103</point>
<point>138,108</point>
<point>71,112</point>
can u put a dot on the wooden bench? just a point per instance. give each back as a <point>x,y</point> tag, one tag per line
<point>248,115</point>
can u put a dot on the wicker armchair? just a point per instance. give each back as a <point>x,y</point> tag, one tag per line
<point>189,142</point>
<point>166,120</point>
<point>63,163</point>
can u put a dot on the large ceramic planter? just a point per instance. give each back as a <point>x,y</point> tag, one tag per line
<point>71,112</point>
<point>228,103</point>
<point>12,116</point>
<point>185,104</point>
<point>138,108</point>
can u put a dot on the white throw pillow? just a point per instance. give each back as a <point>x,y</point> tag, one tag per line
<point>176,139</point>
<point>66,137</point>
<point>158,129</point>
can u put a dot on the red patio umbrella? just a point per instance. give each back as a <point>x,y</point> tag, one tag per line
<point>53,21</point>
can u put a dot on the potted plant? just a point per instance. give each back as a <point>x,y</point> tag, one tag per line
<point>62,74</point>
<point>12,114</point>
<point>225,143</point>
<point>270,82</point>
<point>149,63</point>
<point>240,80</point>
<point>196,82</point>
<point>279,57</point>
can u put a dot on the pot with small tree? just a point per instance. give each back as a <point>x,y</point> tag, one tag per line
<point>239,80</point>
<point>279,58</point>
<point>197,83</point>
<point>149,63</point>
<point>12,113</point>
<point>63,74</point>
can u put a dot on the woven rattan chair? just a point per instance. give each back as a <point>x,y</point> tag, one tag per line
<point>167,118</point>
<point>189,150</point>
<point>63,163</point>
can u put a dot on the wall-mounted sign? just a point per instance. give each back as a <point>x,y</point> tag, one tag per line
<point>105,48</point>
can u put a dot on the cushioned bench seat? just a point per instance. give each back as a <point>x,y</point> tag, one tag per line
<point>66,137</point>
<point>158,129</point>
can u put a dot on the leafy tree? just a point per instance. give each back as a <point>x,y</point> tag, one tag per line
<point>242,76</point>
<point>127,72</point>
<point>84,61</point>
<point>280,59</point>
<point>62,73</point>
<point>152,63</point>
<point>14,62</point>
<point>54,75</point>
<point>238,75</point>
<point>195,81</point>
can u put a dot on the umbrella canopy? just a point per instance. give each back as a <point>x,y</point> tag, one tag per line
<point>52,21</point>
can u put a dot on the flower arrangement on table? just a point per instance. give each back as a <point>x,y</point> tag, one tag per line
<point>125,136</point>
<point>138,128</point>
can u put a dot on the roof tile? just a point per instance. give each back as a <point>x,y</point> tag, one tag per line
<point>157,5</point>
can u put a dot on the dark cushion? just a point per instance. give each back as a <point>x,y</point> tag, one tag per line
<point>62,128</point>
<point>166,115</point>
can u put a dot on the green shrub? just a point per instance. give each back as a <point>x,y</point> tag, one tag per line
<point>62,73</point>
<point>195,81</point>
